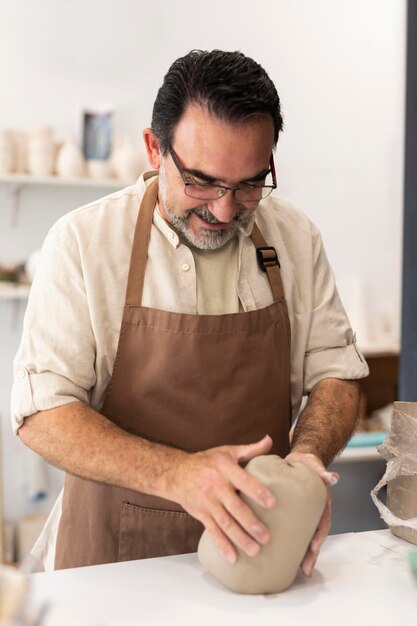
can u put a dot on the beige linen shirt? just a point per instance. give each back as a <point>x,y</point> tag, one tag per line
<point>72,323</point>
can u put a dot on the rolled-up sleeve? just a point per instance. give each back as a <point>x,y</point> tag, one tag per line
<point>54,364</point>
<point>331,350</point>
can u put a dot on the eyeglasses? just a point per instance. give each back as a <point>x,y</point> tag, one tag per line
<point>247,192</point>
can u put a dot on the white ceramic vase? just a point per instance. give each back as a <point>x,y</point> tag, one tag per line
<point>21,151</point>
<point>98,168</point>
<point>69,162</point>
<point>41,152</point>
<point>7,152</point>
<point>126,161</point>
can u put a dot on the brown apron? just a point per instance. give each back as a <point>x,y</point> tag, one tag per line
<point>188,381</point>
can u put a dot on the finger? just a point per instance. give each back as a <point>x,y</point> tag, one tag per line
<point>313,461</point>
<point>319,537</point>
<point>247,452</point>
<point>309,562</point>
<point>330,478</point>
<point>234,532</point>
<point>254,489</point>
<point>223,544</point>
<point>321,532</point>
<point>323,527</point>
<point>245,518</point>
<point>313,550</point>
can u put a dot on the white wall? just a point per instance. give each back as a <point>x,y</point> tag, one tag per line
<point>339,67</point>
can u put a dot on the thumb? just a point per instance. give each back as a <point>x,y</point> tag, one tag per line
<point>330,478</point>
<point>313,461</point>
<point>249,451</point>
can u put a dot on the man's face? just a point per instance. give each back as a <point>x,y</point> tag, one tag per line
<point>211,150</point>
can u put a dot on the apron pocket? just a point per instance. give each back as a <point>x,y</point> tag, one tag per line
<point>146,533</point>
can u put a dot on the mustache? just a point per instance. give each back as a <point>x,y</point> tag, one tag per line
<point>205,214</point>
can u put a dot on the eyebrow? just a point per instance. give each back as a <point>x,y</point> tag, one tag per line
<point>211,179</point>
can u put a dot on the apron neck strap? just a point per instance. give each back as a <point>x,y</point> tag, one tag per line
<point>267,255</point>
<point>268,262</point>
<point>141,239</point>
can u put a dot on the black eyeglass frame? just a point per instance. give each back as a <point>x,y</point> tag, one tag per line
<point>223,188</point>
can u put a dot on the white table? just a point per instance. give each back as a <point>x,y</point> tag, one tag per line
<point>362,579</point>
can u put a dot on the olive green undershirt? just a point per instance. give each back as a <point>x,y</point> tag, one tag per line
<point>216,273</point>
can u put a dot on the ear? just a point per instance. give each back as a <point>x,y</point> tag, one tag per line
<point>152,148</point>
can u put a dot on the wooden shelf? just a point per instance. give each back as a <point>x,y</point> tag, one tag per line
<point>359,454</point>
<point>363,446</point>
<point>16,182</point>
<point>28,179</point>
<point>387,348</point>
<point>13,291</point>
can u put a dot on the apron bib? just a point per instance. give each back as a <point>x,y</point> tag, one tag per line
<point>188,381</point>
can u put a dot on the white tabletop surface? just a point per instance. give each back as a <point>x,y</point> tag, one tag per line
<point>361,579</point>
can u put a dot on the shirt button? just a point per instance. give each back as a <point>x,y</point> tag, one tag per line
<point>185,267</point>
<point>171,235</point>
<point>21,373</point>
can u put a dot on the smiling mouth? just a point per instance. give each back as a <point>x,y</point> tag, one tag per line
<point>211,225</point>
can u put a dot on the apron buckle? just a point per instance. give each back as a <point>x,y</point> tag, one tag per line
<point>267,257</point>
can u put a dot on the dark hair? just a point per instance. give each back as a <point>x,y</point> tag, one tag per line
<point>231,85</point>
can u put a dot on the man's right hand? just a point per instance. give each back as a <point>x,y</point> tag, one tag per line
<point>206,484</point>
<point>87,444</point>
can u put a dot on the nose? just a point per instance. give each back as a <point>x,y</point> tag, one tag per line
<point>224,208</point>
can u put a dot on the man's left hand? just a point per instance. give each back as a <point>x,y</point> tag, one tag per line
<point>330,479</point>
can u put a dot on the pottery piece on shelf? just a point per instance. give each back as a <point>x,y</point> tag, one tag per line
<point>126,161</point>
<point>69,162</point>
<point>97,132</point>
<point>7,152</point>
<point>13,592</point>
<point>21,151</point>
<point>41,152</point>
<point>99,168</point>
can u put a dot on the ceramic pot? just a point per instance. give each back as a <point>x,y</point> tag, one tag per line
<point>99,168</point>
<point>41,152</point>
<point>21,151</point>
<point>7,152</point>
<point>69,162</point>
<point>126,161</point>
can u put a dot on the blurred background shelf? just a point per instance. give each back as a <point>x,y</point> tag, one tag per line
<point>362,447</point>
<point>380,348</point>
<point>14,291</point>
<point>369,453</point>
<point>29,179</point>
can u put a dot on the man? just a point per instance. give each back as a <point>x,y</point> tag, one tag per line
<point>173,325</point>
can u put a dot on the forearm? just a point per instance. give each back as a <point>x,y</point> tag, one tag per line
<point>328,419</point>
<point>81,441</point>
<point>84,442</point>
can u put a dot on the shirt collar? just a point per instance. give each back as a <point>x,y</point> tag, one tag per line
<point>167,230</point>
<point>169,233</point>
<point>144,181</point>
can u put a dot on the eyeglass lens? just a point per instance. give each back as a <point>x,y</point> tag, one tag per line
<point>213,192</point>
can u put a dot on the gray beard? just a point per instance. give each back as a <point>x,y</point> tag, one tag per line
<point>207,239</point>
